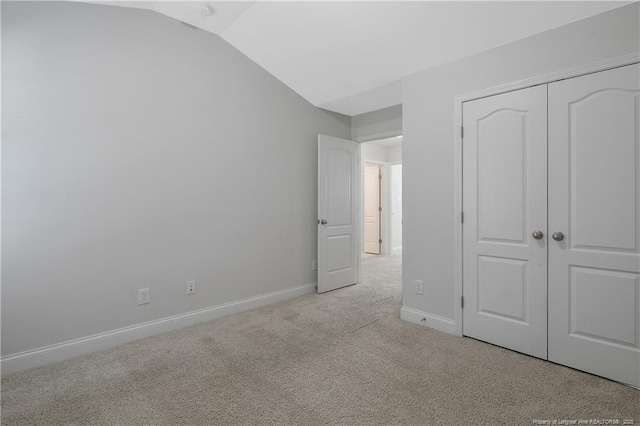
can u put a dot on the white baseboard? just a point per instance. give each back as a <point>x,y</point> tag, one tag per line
<point>429,320</point>
<point>73,348</point>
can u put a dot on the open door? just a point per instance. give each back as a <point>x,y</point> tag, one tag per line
<point>337,213</point>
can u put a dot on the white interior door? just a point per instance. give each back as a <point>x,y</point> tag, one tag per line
<point>505,202</point>
<point>594,201</point>
<point>372,208</point>
<point>337,213</point>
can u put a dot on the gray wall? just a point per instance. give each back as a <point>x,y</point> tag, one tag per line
<point>428,136</point>
<point>138,152</point>
<point>370,151</point>
<point>395,154</point>
<point>378,124</point>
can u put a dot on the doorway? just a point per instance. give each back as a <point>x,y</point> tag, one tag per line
<point>341,236</point>
<point>381,192</point>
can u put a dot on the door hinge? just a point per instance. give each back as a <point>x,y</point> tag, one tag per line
<point>462,301</point>
<point>379,241</point>
<point>380,208</point>
<point>380,176</point>
<point>461,132</point>
<point>461,217</point>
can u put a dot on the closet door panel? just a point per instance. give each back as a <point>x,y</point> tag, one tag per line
<point>505,201</point>
<point>594,201</point>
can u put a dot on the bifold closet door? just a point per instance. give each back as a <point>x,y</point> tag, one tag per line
<point>594,211</point>
<point>505,226</point>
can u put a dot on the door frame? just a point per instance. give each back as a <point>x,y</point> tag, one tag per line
<point>458,102</point>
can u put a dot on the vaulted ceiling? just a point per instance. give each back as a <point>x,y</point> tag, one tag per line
<point>350,56</point>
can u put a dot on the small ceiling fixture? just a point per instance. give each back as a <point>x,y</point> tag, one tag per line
<point>206,9</point>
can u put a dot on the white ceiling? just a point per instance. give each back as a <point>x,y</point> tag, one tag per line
<point>349,56</point>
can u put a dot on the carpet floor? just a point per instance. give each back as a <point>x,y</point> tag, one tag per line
<point>341,358</point>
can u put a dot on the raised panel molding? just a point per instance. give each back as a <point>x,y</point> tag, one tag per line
<point>603,305</point>
<point>611,200</point>
<point>502,171</point>
<point>339,177</point>
<point>502,283</point>
<point>339,253</point>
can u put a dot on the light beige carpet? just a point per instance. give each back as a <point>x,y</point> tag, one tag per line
<point>343,358</point>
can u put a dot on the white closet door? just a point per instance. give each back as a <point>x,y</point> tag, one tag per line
<point>594,183</point>
<point>505,202</point>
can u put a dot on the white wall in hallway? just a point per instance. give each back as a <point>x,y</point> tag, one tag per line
<point>396,208</point>
<point>394,154</point>
<point>373,152</point>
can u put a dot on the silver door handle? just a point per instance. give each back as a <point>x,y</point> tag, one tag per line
<point>537,235</point>
<point>558,236</point>
<point>322,221</point>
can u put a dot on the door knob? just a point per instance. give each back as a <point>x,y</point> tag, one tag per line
<point>322,222</point>
<point>558,236</point>
<point>537,235</point>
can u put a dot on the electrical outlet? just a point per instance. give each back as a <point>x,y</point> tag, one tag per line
<point>143,296</point>
<point>191,287</point>
<point>314,265</point>
<point>418,286</point>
